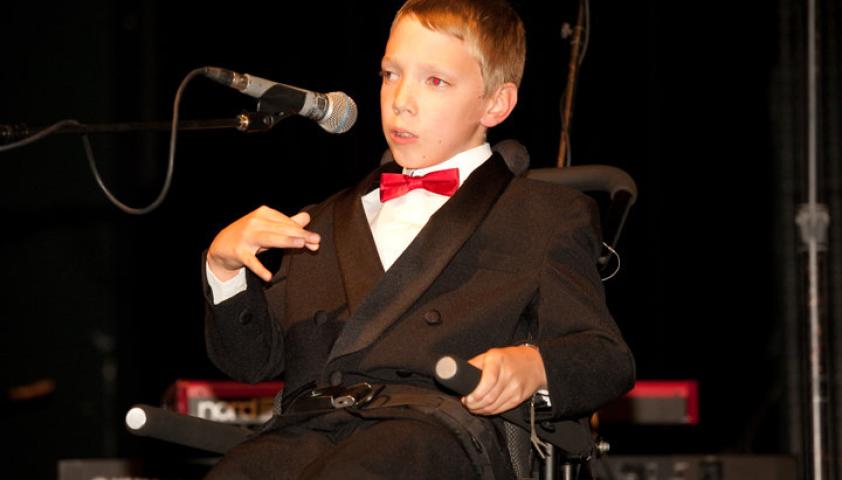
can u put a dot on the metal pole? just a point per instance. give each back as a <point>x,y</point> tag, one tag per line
<point>813,220</point>
<point>570,88</point>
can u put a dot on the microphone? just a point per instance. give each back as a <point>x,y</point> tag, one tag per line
<point>335,112</point>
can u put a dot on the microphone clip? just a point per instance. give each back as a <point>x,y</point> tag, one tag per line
<point>251,122</point>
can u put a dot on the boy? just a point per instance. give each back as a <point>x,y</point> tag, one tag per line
<point>382,279</point>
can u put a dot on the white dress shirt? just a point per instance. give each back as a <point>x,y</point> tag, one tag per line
<point>394,224</point>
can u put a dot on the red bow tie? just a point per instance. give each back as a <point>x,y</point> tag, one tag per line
<point>443,182</point>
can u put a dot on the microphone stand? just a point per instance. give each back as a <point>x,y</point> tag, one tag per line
<point>570,88</point>
<point>248,122</point>
<point>245,122</point>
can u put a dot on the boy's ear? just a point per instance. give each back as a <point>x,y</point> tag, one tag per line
<point>501,103</point>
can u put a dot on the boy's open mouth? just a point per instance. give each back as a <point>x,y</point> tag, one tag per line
<point>404,135</point>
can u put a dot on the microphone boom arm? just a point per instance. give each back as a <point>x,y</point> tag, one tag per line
<point>248,122</point>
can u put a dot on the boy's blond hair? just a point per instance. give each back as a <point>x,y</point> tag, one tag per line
<point>491,30</point>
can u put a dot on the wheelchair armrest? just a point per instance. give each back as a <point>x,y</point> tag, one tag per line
<point>195,432</point>
<point>572,437</point>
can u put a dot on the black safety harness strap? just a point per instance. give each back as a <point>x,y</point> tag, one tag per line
<point>477,435</point>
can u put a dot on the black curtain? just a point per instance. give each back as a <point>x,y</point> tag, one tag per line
<point>700,103</point>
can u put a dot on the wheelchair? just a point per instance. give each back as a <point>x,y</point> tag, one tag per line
<point>561,449</point>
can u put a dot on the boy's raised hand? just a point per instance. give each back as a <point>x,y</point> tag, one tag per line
<point>238,244</point>
<point>510,376</point>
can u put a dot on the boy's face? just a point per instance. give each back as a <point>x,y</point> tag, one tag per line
<point>431,100</point>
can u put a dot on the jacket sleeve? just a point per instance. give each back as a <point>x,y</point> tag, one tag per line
<point>242,338</point>
<point>585,357</point>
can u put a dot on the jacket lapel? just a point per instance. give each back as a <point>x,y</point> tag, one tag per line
<point>359,262</point>
<point>381,300</point>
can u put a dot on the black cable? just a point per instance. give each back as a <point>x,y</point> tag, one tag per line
<point>586,5</point>
<point>170,161</point>
<point>92,162</point>
<point>41,134</point>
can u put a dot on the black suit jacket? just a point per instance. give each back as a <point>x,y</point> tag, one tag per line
<point>505,261</point>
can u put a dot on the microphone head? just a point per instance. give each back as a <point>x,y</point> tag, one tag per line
<point>341,114</point>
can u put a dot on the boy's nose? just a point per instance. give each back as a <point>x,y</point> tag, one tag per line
<point>403,100</point>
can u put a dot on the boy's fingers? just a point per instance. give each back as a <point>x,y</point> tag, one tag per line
<point>265,215</point>
<point>253,264</point>
<point>266,210</point>
<point>279,224</point>
<point>296,230</point>
<point>488,380</point>
<point>285,239</point>
<point>491,397</point>
<point>506,400</point>
<point>301,218</point>
<point>499,400</point>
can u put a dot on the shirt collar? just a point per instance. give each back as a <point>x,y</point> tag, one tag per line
<point>466,162</point>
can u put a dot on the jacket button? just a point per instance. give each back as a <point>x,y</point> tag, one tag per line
<point>336,378</point>
<point>432,317</point>
<point>320,317</point>
<point>244,318</point>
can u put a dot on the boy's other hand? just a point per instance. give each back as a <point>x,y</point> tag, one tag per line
<point>509,377</point>
<point>238,244</point>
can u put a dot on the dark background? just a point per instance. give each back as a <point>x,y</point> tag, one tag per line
<point>701,104</point>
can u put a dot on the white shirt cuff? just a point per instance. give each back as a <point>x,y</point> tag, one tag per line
<point>221,291</point>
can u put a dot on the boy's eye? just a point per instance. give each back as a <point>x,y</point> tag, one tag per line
<point>436,82</point>
<point>387,75</point>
